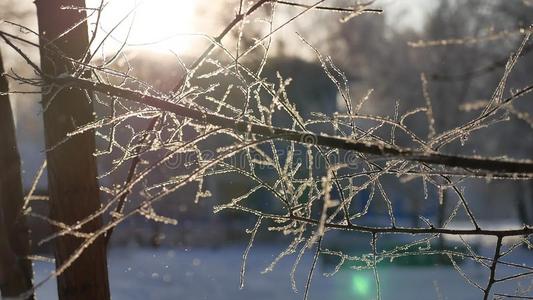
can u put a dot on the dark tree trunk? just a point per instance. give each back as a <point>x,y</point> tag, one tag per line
<point>72,183</point>
<point>521,203</point>
<point>15,269</point>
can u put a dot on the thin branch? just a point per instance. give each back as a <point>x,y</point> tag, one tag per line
<point>407,230</point>
<point>131,173</point>
<point>313,267</point>
<point>333,8</point>
<point>513,296</point>
<point>492,278</point>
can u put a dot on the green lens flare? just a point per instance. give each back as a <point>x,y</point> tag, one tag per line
<point>361,285</point>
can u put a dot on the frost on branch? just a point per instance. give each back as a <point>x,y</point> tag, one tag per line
<point>315,176</point>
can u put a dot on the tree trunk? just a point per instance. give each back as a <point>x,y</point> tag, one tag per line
<point>521,203</point>
<point>15,269</point>
<point>73,187</point>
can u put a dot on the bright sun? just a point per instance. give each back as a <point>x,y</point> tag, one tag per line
<point>156,24</point>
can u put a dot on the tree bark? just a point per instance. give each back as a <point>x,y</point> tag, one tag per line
<point>73,187</point>
<point>15,269</point>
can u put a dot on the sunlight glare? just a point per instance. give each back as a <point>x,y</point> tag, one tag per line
<point>157,24</point>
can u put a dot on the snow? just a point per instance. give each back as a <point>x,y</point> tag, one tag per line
<point>143,274</point>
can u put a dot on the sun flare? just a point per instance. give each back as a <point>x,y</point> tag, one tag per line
<point>156,24</point>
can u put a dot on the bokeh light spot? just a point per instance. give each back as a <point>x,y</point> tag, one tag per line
<point>361,285</point>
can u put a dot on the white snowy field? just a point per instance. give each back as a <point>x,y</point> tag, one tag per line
<point>144,274</point>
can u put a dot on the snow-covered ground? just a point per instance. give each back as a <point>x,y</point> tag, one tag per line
<point>143,274</point>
